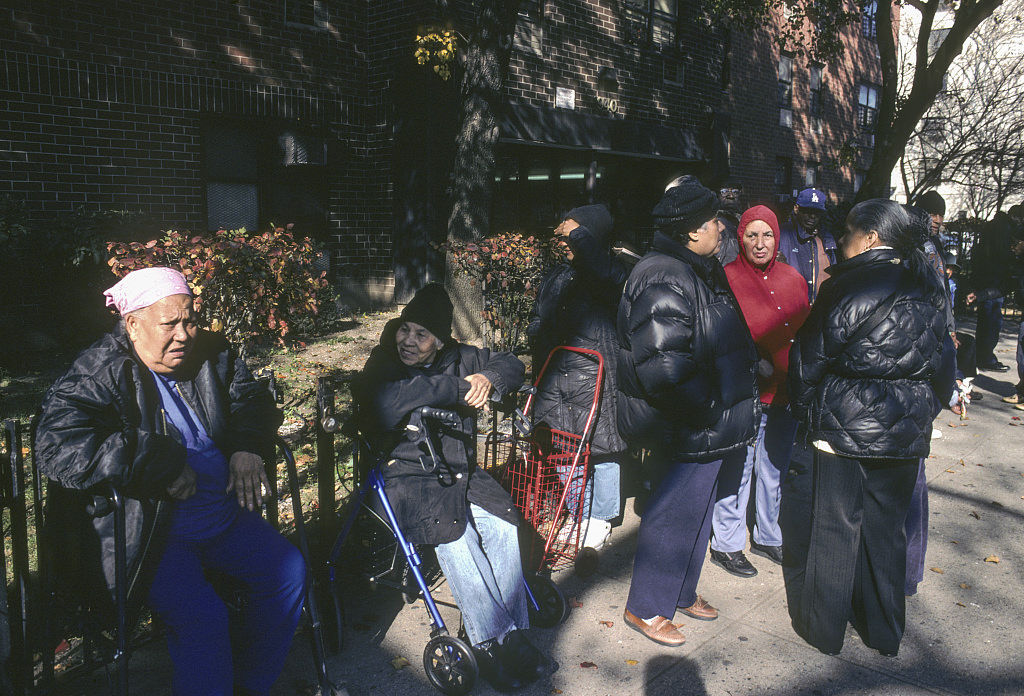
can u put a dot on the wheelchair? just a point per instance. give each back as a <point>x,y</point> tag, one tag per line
<point>105,630</point>
<point>377,546</point>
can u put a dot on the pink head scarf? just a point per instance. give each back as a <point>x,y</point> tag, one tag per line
<point>142,288</point>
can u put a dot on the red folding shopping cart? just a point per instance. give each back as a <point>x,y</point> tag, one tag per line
<point>546,470</point>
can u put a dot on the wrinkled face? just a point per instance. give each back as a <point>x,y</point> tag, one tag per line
<point>936,222</point>
<point>163,333</point>
<point>706,239</point>
<point>416,345</point>
<point>758,243</point>
<point>809,218</point>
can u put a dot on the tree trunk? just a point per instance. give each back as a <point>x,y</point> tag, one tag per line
<point>486,64</point>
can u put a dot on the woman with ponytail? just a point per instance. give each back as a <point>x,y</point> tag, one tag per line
<point>865,376</point>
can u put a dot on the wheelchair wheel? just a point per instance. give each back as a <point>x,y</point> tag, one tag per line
<point>450,665</point>
<point>551,607</point>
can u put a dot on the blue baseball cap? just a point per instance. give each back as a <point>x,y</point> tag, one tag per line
<point>811,198</point>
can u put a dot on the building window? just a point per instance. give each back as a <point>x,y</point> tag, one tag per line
<point>811,175</point>
<point>817,107</point>
<point>783,179</point>
<point>259,173</point>
<point>869,20</point>
<point>674,72</point>
<point>531,9</point>
<point>785,94</point>
<point>311,14</point>
<point>867,112</point>
<point>652,21</point>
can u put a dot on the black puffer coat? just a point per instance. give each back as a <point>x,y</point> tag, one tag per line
<point>576,307</point>
<point>687,363</point>
<point>872,398</point>
<point>431,506</point>
<point>102,422</point>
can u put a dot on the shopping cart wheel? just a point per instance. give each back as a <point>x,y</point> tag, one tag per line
<point>586,562</point>
<point>551,606</point>
<point>450,665</point>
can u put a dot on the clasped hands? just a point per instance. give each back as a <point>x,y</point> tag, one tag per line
<point>246,477</point>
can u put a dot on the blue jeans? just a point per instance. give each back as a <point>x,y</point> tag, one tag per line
<point>485,574</point>
<point>990,323</point>
<point>601,497</point>
<point>768,461</point>
<point>206,663</point>
<point>917,532</point>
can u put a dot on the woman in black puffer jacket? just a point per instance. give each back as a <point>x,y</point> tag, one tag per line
<point>864,374</point>
<point>688,393</point>
<point>576,307</point>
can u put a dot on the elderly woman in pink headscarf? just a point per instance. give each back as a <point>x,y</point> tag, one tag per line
<point>171,415</point>
<point>773,298</point>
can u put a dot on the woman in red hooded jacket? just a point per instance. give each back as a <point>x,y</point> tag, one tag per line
<point>773,297</point>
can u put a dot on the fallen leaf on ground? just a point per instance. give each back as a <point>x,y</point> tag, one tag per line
<point>950,471</point>
<point>961,462</point>
<point>400,662</point>
<point>575,603</point>
<point>940,571</point>
<point>961,604</point>
<point>975,515</point>
<point>953,425</point>
<point>964,586</point>
<point>632,662</point>
<point>992,559</point>
<point>556,691</point>
<point>588,664</point>
<point>1014,417</point>
<point>997,503</point>
<point>607,624</point>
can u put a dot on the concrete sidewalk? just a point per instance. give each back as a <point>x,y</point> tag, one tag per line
<point>964,628</point>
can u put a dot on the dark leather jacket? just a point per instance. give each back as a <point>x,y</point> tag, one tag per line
<point>102,423</point>
<point>872,397</point>
<point>431,504</point>
<point>576,306</point>
<point>687,364</point>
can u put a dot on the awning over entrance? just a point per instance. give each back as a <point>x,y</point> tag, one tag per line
<point>526,124</point>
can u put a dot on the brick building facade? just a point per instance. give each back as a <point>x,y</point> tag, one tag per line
<point>228,114</point>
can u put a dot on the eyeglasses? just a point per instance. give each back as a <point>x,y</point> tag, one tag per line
<point>730,191</point>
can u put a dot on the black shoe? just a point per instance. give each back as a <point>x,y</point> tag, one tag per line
<point>527,662</point>
<point>734,562</point>
<point>976,396</point>
<point>495,666</point>
<point>994,367</point>
<point>772,553</point>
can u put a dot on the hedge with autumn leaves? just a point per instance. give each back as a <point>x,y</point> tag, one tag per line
<point>254,288</point>
<point>509,268</point>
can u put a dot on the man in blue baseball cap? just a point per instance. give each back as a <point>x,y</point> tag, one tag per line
<point>805,245</point>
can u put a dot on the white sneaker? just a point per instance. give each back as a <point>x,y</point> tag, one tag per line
<point>596,532</point>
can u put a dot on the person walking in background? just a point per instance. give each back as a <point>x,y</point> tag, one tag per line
<point>993,277</point>
<point>803,242</point>
<point>730,206</point>
<point>687,393</point>
<point>862,376</point>
<point>576,306</point>
<point>773,298</point>
<point>1016,214</point>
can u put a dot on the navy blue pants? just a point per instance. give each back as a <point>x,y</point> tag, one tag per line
<point>917,532</point>
<point>198,635</point>
<point>673,539</point>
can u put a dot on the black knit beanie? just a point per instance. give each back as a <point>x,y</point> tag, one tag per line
<point>431,308</point>
<point>685,207</point>
<point>932,203</point>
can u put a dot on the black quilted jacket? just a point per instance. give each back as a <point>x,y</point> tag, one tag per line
<point>576,307</point>
<point>687,364</point>
<point>873,397</point>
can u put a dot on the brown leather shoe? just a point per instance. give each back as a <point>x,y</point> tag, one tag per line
<point>660,629</point>
<point>700,610</point>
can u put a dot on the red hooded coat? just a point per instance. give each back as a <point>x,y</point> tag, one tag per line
<point>774,303</point>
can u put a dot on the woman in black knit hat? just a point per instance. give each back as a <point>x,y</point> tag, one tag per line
<point>688,394</point>
<point>456,506</point>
